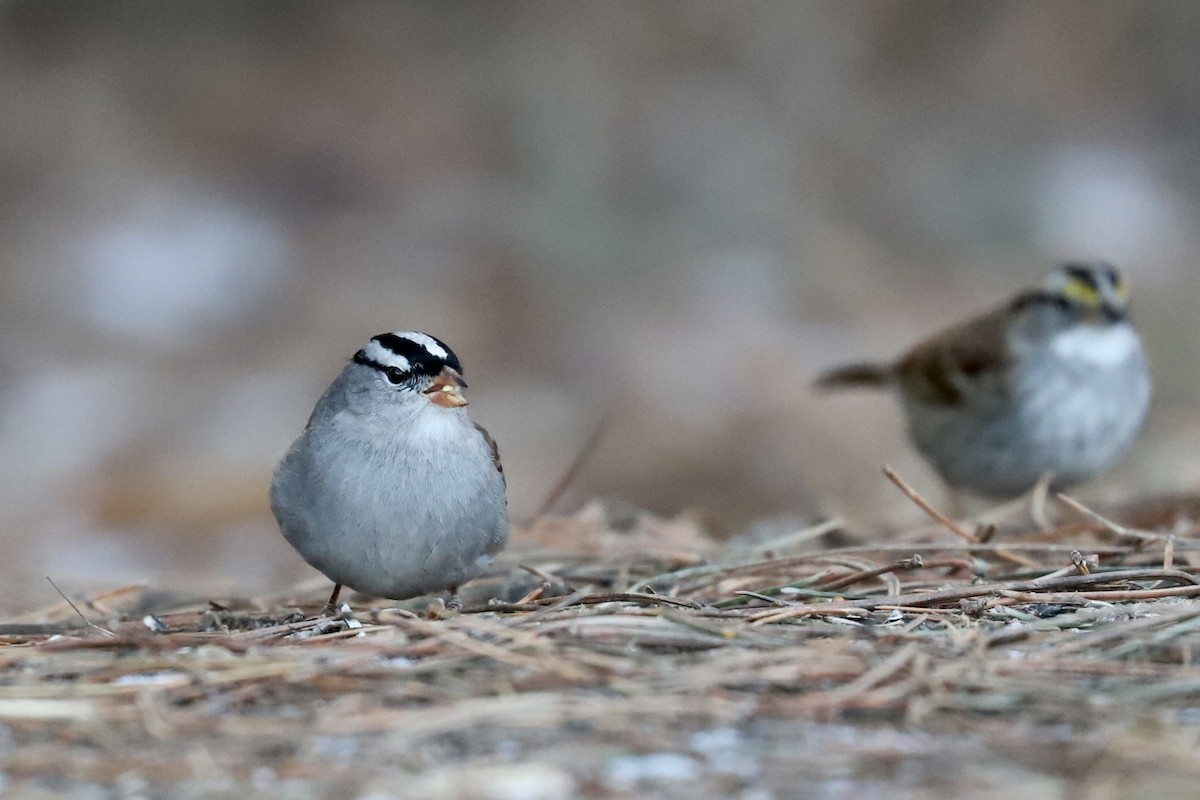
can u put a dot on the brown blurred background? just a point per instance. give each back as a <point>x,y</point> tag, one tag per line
<point>681,210</point>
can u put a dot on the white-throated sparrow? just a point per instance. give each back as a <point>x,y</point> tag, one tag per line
<point>1053,382</point>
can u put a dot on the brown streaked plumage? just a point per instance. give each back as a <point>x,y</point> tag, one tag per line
<point>1052,382</point>
<point>938,369</point>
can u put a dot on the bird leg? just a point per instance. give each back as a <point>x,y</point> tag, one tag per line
<point>455,602</point>
<point>331,607</point>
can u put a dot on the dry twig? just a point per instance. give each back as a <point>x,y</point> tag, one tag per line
<point>925,506</point>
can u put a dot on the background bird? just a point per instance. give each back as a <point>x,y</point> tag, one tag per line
<point>1054,382</point>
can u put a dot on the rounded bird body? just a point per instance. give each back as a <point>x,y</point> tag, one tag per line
<point>1053,383</point>
<point>1051,413</point>
<point>391,489</point>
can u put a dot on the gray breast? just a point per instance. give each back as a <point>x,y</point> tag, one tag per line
<point>397,520</point>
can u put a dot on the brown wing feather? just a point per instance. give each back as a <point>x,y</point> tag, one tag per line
<point>491,443</point>
<point>940,369</point>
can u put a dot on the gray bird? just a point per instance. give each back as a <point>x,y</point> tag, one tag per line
<point>1053,382</point>
<point>391,489</point>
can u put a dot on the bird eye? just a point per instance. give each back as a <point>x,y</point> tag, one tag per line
<point>1062,302</point>
<point>394,374</point>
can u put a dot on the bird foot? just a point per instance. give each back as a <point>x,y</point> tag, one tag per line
<point>331,607</point>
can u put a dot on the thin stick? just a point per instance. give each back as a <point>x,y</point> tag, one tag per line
<point>559,604</point>
<point>888,668</point>
<point>775,601</point>
<point>924,505</point>
<point>75,608</point>
<point>1109,595</point>
<point>944,596</point>
<point>912,562</point>
<point>1008,555</point>
<point>1108,524</point>
<point>572,471</point>
<point>790,540</point>
<point>1037,502</point>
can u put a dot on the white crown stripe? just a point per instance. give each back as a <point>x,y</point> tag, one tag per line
<point>426,341</point>
<point>385,357</point>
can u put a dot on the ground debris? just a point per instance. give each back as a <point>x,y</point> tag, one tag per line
<point>598,676</point>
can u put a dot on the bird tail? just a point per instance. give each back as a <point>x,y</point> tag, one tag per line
<point>857,375</point>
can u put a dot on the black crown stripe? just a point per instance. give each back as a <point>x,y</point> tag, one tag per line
<point>419,359</point>
<point>1084,274</point>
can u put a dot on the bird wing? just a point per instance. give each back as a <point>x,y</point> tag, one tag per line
<point>491,443</point>
<point>950,365</point>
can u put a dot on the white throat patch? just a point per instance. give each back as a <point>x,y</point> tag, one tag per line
<point>1100,346</point>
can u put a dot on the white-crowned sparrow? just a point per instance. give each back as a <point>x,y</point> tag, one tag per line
<point>391,489</point>
<point>1053,382</point>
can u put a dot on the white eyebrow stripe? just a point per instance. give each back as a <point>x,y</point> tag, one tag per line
<point>385,357</point>
<point>426,341</point>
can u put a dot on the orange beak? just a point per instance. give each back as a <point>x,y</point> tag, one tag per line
<point>446,389</point>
